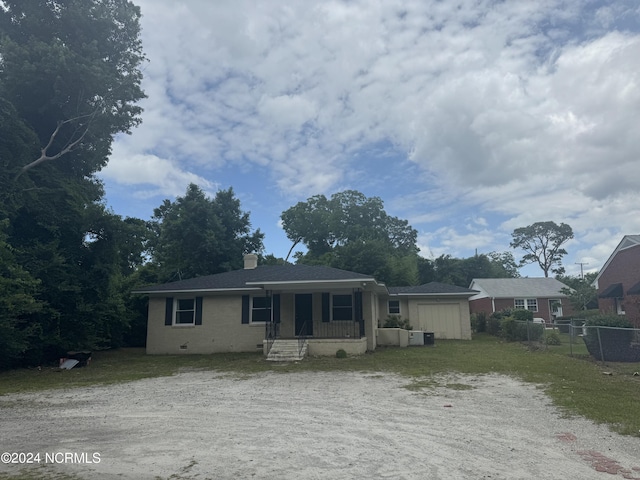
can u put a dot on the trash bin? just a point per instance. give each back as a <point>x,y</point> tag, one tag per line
<point>429,338</point>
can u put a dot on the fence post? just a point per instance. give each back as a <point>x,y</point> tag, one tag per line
<point>600,343</point>
<point>571,339</point>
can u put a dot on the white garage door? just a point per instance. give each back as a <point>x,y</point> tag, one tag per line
<point>443,319</point>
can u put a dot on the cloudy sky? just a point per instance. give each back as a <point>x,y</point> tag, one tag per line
<point>469,118</point>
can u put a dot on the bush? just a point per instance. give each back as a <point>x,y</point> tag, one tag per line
<point>396,321</point>
<point>519,331</point>
<point>341,354</point>
<point>479,322</point>
<point>493,323</point>
<point>616,343</point>
<point>522,315</point>
<point>552,338</point>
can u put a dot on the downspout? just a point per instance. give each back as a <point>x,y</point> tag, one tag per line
<point>493,304</point>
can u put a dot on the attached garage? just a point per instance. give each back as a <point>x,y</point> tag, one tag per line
<point>443,319</point>
<point>433,307</point>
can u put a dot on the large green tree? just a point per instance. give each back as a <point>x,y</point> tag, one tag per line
<point>542,242</point>
<point>69,81</point>
<point>196,235</point>
<point>71,70</point>
<point>460,271</point>
<point>352,231</point>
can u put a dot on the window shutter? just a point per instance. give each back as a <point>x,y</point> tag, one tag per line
<point>245,309</point>
<point>168,311</point>
<point>276,308</point>
<point>357,299</point>
<point>198,310</point>
<point>326,307</point>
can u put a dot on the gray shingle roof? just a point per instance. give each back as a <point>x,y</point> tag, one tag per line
<point>431,289</point>
<point>519,287</point>
<point>242,279</point>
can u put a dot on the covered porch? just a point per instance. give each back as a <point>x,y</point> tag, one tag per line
<point>322,318</point>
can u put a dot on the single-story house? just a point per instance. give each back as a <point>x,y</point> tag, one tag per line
<point>329,308</point>
<point>543,296</point>
<point>618,282</point>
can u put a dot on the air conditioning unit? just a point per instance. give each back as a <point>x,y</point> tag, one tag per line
<point>416,337</point>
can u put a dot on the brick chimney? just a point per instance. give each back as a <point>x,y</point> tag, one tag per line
<point>250,261</point>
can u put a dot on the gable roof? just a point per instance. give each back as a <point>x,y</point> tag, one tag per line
<point>627,241</point>
<point>270,276</point>
<point>432,288</point>
<point>517,287</point>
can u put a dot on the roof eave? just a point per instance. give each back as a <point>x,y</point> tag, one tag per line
<point>196,290</point>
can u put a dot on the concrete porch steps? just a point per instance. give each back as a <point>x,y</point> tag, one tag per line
<point>287,351</point>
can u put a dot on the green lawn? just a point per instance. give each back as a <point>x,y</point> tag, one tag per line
<point>604,393</point>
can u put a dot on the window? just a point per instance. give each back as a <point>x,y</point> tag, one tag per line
<point>620,306</point>
<point>185,311</point>
<point>394,307</point>
<point>556,307</point>
<point>260,309</point>
<point>342,307</point>
<point>526,304</point>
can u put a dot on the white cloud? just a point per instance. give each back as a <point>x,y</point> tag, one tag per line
<point>515,111</point>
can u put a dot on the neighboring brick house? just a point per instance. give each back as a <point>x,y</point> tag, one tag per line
<point>542,296</point>
<point>618,283</point>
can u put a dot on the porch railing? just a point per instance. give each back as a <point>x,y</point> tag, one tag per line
<point>338,329</point>
<point>302,338</point>
<point>272,331</point>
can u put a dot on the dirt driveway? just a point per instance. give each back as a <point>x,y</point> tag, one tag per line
<point>201,425</point>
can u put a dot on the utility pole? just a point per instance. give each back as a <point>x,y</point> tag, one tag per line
<point>581,269</point>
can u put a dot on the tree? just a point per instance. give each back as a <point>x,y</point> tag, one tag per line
<point>71,70</point>
<point>353,232</point>
<point>323,224</point>
<point>460,271</point>
<point>69,80</point>
<point>543,241</point>
<point>503,265</point>
<point>18,300</point>
<point>196,235</point>
<point>581,292</point>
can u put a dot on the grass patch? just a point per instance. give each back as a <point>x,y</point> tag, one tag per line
<point>576,384</point>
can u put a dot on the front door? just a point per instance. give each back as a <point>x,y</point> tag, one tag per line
<point>304,314</point>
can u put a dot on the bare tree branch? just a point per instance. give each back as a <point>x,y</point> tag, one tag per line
<point>71,144</point>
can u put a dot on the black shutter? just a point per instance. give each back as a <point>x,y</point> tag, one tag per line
<point>276,308</point>
<point>357,297</point>
<point>245,309</point>
<point>198,310</point>
<point>168,311</point>
<point>326,307</point>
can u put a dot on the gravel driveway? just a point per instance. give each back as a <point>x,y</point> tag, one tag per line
<point>201,425</point>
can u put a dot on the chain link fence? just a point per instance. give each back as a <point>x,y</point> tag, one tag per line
<point>605,344</point>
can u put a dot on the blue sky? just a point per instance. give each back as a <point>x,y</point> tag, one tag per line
<point>469,118</point>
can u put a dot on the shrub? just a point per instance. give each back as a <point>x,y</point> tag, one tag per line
<point>341,354</point>
<point>616,342</point>
<point>552,338</point>
<point>479,322</point>
<point>522,315</point>
<point>493,324</point>
<point>514,330</point>
<point>396,321</point>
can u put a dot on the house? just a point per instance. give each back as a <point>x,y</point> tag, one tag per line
<point>543,296</point>
<point>618,283</point>
<point>433,307</point>
<point>325,308</point>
